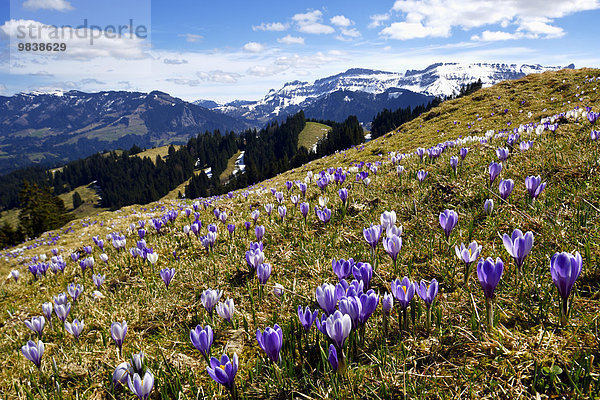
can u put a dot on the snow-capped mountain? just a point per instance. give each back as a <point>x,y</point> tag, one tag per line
<point>384,89</point>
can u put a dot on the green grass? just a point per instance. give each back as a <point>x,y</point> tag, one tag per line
<point>161,151</point>
<point>10,216</point>
<point>224,177</point>
<point>311,134</point>
<point>528,352</point>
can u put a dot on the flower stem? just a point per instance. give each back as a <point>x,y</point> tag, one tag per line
<point>489,307</point>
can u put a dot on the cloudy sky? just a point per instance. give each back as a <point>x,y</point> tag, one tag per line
<point>226,50</point>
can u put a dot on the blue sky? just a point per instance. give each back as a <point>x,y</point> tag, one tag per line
<point>228,50</point>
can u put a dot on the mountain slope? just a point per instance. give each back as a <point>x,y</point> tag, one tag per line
<point>48,128</point>
<point>371,86</point>
<point>527,354</point>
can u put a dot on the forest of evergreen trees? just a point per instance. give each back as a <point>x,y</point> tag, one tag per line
<point>387,120</point>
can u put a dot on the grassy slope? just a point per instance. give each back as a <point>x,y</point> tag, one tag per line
<point>312,132</point>
<point>460,358</point>
<point>161,151</point>
<point>230,166</point>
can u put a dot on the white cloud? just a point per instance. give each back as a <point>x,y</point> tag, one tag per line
<point>289,39</point>
<point>58,5</point>
<point>191,37</point>
<point>184,82</point>
<point>437,18</point>
<point>270,26</point>
<point>352,32</point>
<point>308,17</point>
<point>265,70</point>
<point>310,22</point>
<point>219,76</point>
<point>493,36</point>
<point>340,20</point>
<point>253,47</point>
<point>378,19</point>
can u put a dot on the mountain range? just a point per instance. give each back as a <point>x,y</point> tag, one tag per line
<point>51,128</point>
<point>364,92</point>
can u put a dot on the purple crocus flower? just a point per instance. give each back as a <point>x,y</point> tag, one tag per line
<point>403,291</point>
<point>387,303</point>
<point>324,215</point>
<point>448,220</point>
<point>270,341</point>
<point>304,207</point>
<point>118,331</point>
<point>454,163</point>
<point>467,254</point>
<point>489,274</point>
<point>494,170</point>
<point>502,153</point>
<point>36,324</point>
<point>592,117</point>
<point>343,195</point>
<point>387,219</point>
<point>488,206</point>
<point>167,275</point>
<point>338,327</point>
<point>565,269</point>
<point>534,186</point>
<point>326,297</point>
<point>421,175</point>
<point>74,290</point>
<point>33,352</point>
<point>75,328</point>
<point>121,374</point>
<point>141,386</point>
<point>15,274</point>
<point>269,208</point>
<point>463,152</point>
<point>210,298</point>
<point>259,231</point>
<point>282,211</point>
<point>342,268</point>
<point>202,339</point>
<point>263,272</point>
<point>231,229</point>
<point>506,187</point>
<point>47,310</point>
<point>369,302</point>
<point>333,357</point>
<point>428,292</point>
<point>518,246</point>
<point>223,371</point>
<point>372,234</point>
<point>98,280</point>
<point>226,309</point>
<point>306,317</point>
<point>255,256</point>
<point>363,272</point>
<point>254,215</point>
<point>351,306</point>
<point>247,226</point>
<point>392,246</point>
<point>62,311</point>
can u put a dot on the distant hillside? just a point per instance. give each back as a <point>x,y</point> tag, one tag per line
<point>58,127</point>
